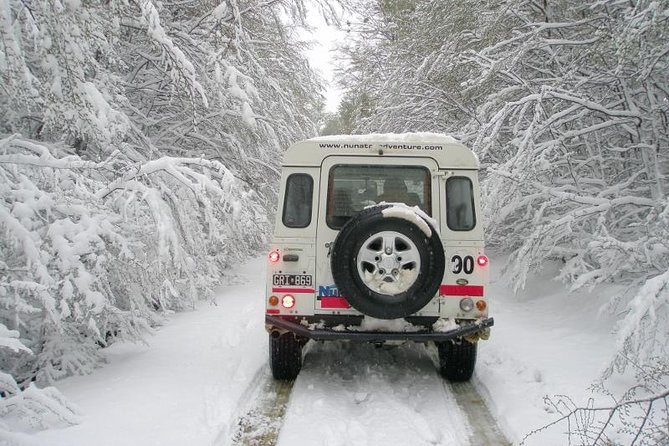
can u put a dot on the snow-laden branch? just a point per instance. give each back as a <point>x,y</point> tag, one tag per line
<point>36,408</point>
<point>595,425</point>
<point>9,339</point>
<point>29,407</point>
<point>642,334</point>
<point>183,68</point>
<point>599,203</point>
<point>178,168</point>
<point>40,156</point>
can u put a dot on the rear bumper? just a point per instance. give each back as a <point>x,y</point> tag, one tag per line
<point>324,334</point>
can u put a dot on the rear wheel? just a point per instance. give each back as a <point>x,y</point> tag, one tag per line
<point>457,359</point>
<point>285,356</point>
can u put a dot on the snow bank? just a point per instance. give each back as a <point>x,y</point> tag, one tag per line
<point>187,387</point>
<point>545,342</point>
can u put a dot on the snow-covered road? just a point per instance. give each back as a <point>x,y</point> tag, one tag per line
<point>357,394</point>
<point>204,380</point>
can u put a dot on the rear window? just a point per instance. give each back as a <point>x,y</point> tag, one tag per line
<point>351,188</point>
<point>460,204</point>
<point>298,201</point>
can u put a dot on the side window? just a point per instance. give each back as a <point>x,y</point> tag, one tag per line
<point>297,202</point>
<point>460,204</point>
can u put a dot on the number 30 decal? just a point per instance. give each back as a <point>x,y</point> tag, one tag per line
<point>460,264</point>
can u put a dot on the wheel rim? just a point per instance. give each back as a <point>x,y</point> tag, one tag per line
<point>388,262</point>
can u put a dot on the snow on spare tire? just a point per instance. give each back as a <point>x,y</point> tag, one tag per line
<point>388,261</point>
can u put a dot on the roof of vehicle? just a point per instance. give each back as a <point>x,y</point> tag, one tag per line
<point>444,149</point>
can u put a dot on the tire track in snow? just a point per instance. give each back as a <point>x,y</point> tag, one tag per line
<point>485,431</point>
<point>357,394</point>
<point>262,417</point>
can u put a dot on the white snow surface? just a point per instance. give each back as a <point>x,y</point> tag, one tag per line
<point>372,324</point>
<point>193,380</point>
<point>359,395</point>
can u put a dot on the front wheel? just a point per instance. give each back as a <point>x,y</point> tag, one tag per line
<point>285,356</point>
<point>457,359</point>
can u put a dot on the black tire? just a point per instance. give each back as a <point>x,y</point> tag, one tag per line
<point>285,356</point>
<point>373,302</point>
<point>457,359</point>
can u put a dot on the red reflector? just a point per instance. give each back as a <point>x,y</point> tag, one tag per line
<point>334,302</point>
<point>482,260</point>
<point>461,290</point>
<point>274,256</point>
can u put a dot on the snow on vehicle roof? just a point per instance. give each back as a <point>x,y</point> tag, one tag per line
<point>418,137</point>
<point>444,149</point>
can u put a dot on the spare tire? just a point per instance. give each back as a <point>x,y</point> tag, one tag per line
<point>387,266</point>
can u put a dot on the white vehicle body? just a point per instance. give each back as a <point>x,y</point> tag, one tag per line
<point>326,183</point>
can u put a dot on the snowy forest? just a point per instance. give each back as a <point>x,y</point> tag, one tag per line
<point>140,143</point>
<point>138,160</point>
<point>567,106</point>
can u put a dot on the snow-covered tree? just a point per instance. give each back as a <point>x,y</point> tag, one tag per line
<point>224,80</point>
<point>567,105</point>
<point>578,145</point>
<point>90,250</point>
<point>406,57</point>
<point>139,151</point>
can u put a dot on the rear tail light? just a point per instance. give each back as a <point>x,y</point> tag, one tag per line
<point>288,301</point>
<point>274,256</point>
<point>482,260</point>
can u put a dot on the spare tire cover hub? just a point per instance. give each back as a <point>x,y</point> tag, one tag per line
<point>388,262</point>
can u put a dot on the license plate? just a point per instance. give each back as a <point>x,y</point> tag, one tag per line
<point>292,280</point>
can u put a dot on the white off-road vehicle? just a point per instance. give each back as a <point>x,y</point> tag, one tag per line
<point>378,238</point>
